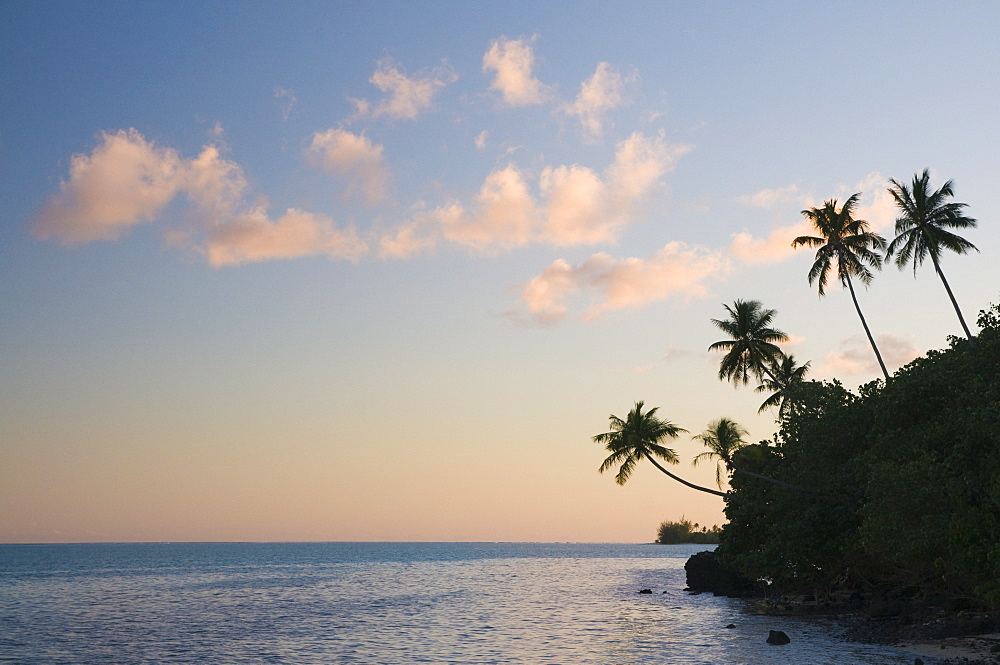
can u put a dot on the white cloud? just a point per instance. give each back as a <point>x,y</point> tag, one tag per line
<point>855,356</point>
<point>512,61</point>
<point>289,101</point>
<point>407,97</point>
<point>354,159</point>
<point>252,236</point>
<point>598,95</point>
<point>677,270</point>
<point>481,139</point>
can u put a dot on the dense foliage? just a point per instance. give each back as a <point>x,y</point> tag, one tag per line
<point>899,483</point>
<point>684,531</point>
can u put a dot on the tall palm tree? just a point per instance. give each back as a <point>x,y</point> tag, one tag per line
<point>848,244</point>
<point>922,229</point>
<point>786,373</point>
<point>722,438</point>
<point>752,343</point>
<point>638,436</point>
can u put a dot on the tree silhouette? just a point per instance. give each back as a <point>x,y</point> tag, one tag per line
<point>846,245</point>
<point>751,345</point>
<point>922,229</point>
<point>638,436</point>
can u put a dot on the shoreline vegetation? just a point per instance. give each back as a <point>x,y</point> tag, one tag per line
<point>684,532</point>
<point>881,505</point>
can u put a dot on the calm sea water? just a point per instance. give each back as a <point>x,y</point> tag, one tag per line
<point>385,603</point>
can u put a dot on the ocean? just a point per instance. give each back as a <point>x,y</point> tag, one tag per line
<point>386,604</point>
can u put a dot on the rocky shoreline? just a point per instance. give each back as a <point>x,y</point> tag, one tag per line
<point>943,631</point>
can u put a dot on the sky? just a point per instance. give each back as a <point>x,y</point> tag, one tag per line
<point>312,271</point>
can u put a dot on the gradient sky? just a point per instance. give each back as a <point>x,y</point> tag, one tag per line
<point>378,271</point>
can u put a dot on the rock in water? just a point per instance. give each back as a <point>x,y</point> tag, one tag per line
<point>777,637</point>
<point>646,591</point>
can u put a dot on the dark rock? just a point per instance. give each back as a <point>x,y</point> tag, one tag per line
<point>646,591</point>
<point>732,625</point>
<point>705,573</point>
<point>778,637</point>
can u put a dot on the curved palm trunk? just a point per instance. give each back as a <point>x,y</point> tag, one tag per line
<point>864,323</point>
<point>684,482</point>
<point>954,302</point>
<point>771,480</point>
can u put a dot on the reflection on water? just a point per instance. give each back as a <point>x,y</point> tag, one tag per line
<point>384,603</point>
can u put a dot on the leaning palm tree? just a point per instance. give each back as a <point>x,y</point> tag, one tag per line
<point>722,438</point>
<point>752,342</point>
<point>848,244</point>
<point>922,229</point>
<point>637,436</point>
<point>786,373</point>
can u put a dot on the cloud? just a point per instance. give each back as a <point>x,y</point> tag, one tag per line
<point>512,61</point>
<point>127,180</point>
<point>855,356</point>
<point>503,214</point>
<point>875,205</point>
<point>769,198</point>
<point>571,205</point>
<point>481,139</point>
<point>775,248</point>
<point>598,95</point>
<point>289,101</point>
<point>354,159</point>
<point>252,236</point>
<point>677,270</point>
<point>407,97</point>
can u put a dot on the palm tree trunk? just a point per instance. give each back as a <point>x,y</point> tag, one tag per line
<point>771,480</point>
<point>954,302</point>
<point>868,332</point>
<point>684,482</point>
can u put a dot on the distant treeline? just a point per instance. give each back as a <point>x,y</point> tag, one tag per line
<point>684,531</point>
<point>897,486</point>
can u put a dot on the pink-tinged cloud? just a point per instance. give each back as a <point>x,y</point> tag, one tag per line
<point>252,236</point>
<point>406,96</point>
<point>572,205</point>
<point>775,248</point>
<point>677,270</point>
<point>512,62</point>
<point>769,198</point>
<point>127,180</point>
<point>855,356</point>
<point>354,160</point>
<point>599,94</point>
<point>503,214</point>
<point>875,205</point>
<point>124,181</point>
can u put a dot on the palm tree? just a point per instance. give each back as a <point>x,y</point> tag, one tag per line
<point>751,346</point>
<point>786,373</point>
<point>922,229</point>
<point>638,436</point>
<point>848,243</point>
<point>722,438</point>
